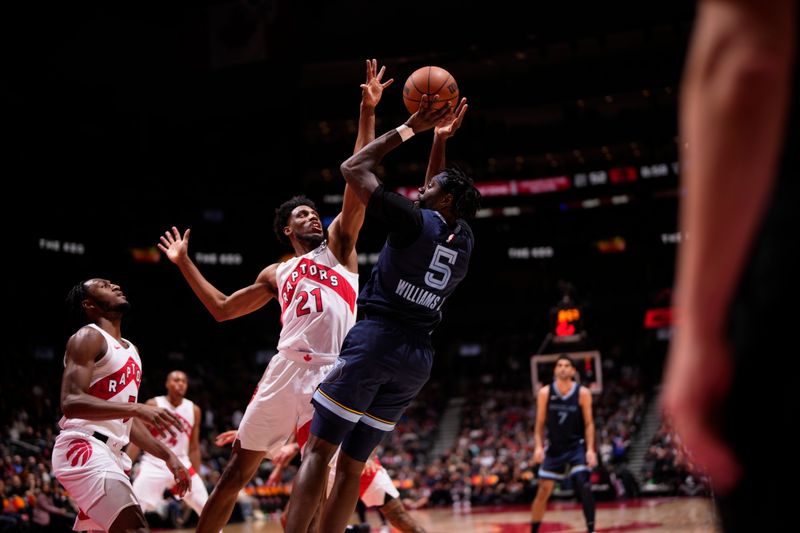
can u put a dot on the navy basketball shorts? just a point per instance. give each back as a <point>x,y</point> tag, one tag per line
<point>381,369</point>
<point>559,464</point>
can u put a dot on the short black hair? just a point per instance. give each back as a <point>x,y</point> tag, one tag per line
<point>466,197</point>
<point>74,301</point>
<point>567,358</point>
<point>283,212</point>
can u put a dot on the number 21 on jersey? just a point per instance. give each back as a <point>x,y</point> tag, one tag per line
<point>304,306</point>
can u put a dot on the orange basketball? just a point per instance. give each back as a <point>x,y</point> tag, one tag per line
<point>430,81</point>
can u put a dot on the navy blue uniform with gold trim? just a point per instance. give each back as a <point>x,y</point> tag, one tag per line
<point>386,357</point>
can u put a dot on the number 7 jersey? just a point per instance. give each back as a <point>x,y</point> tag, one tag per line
<point>318,304</point>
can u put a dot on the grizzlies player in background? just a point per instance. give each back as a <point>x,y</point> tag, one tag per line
<point>566,408</point>
<point>386,357</point>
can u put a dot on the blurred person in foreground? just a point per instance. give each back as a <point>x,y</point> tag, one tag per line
<point>738,274</point>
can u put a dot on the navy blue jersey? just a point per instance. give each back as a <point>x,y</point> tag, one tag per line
<point>564,419</point>
<point>411,282</point>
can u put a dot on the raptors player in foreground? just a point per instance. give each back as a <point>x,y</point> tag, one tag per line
<point>102,373</point>
<point>153,477</point>
<point>317,291</point>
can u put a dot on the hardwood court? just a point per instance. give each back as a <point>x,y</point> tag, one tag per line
<point>685,515</point>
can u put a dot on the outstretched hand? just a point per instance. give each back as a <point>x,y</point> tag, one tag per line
<point>225,437</point>
<point>372,89</point>
<point>426,116</point>
<point>371,466</point>
<point>452,121</point>
<point>280,461</point>
<point>174,246</point>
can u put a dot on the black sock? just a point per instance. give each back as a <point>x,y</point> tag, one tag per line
<point>535,527</point>
<point>361,509</point>
<point>584,489</point>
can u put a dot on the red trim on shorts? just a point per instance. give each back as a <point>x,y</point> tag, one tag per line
<point>366,481</point>
<point>302,434</point>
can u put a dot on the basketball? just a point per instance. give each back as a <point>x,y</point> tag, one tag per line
<point>430,81</point>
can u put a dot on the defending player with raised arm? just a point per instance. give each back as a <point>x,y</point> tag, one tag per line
<point>387,356</point>
<point>317,292</point>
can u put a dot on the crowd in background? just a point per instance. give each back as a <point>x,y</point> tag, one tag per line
<point>489,462</point>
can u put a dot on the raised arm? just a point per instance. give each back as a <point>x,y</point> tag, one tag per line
<point>83,349</point>
<point>443,131</point>
<point>371,92</point>
<point>343,231</point>
<point>221,306</point>
<point>359,169</point>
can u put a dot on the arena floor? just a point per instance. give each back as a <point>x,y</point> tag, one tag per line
<point>684,515</point>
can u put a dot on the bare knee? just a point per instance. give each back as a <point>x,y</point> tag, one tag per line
<point>319,449</point>
<point>130,519</point>
<point>231,480</point>
<point>545,490</point>
<point>239,470</point>
<point>349,466</point>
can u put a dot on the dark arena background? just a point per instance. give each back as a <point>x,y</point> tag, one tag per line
<point>123,121</point>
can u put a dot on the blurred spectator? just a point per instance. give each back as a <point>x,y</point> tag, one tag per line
<point>47,516</point>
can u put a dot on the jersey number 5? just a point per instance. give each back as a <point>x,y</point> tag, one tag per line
<point>439,270</point>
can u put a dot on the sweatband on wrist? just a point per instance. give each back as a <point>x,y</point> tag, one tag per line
<point>405,132</point>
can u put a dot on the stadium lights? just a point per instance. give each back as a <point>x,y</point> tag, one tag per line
<point>534,252</point>
<point>213,258</point>
<point>54,245</point>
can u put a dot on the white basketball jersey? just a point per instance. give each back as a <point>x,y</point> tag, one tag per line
<point>318,301</point>
<point>116,378</point>
<point>179,444</point>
